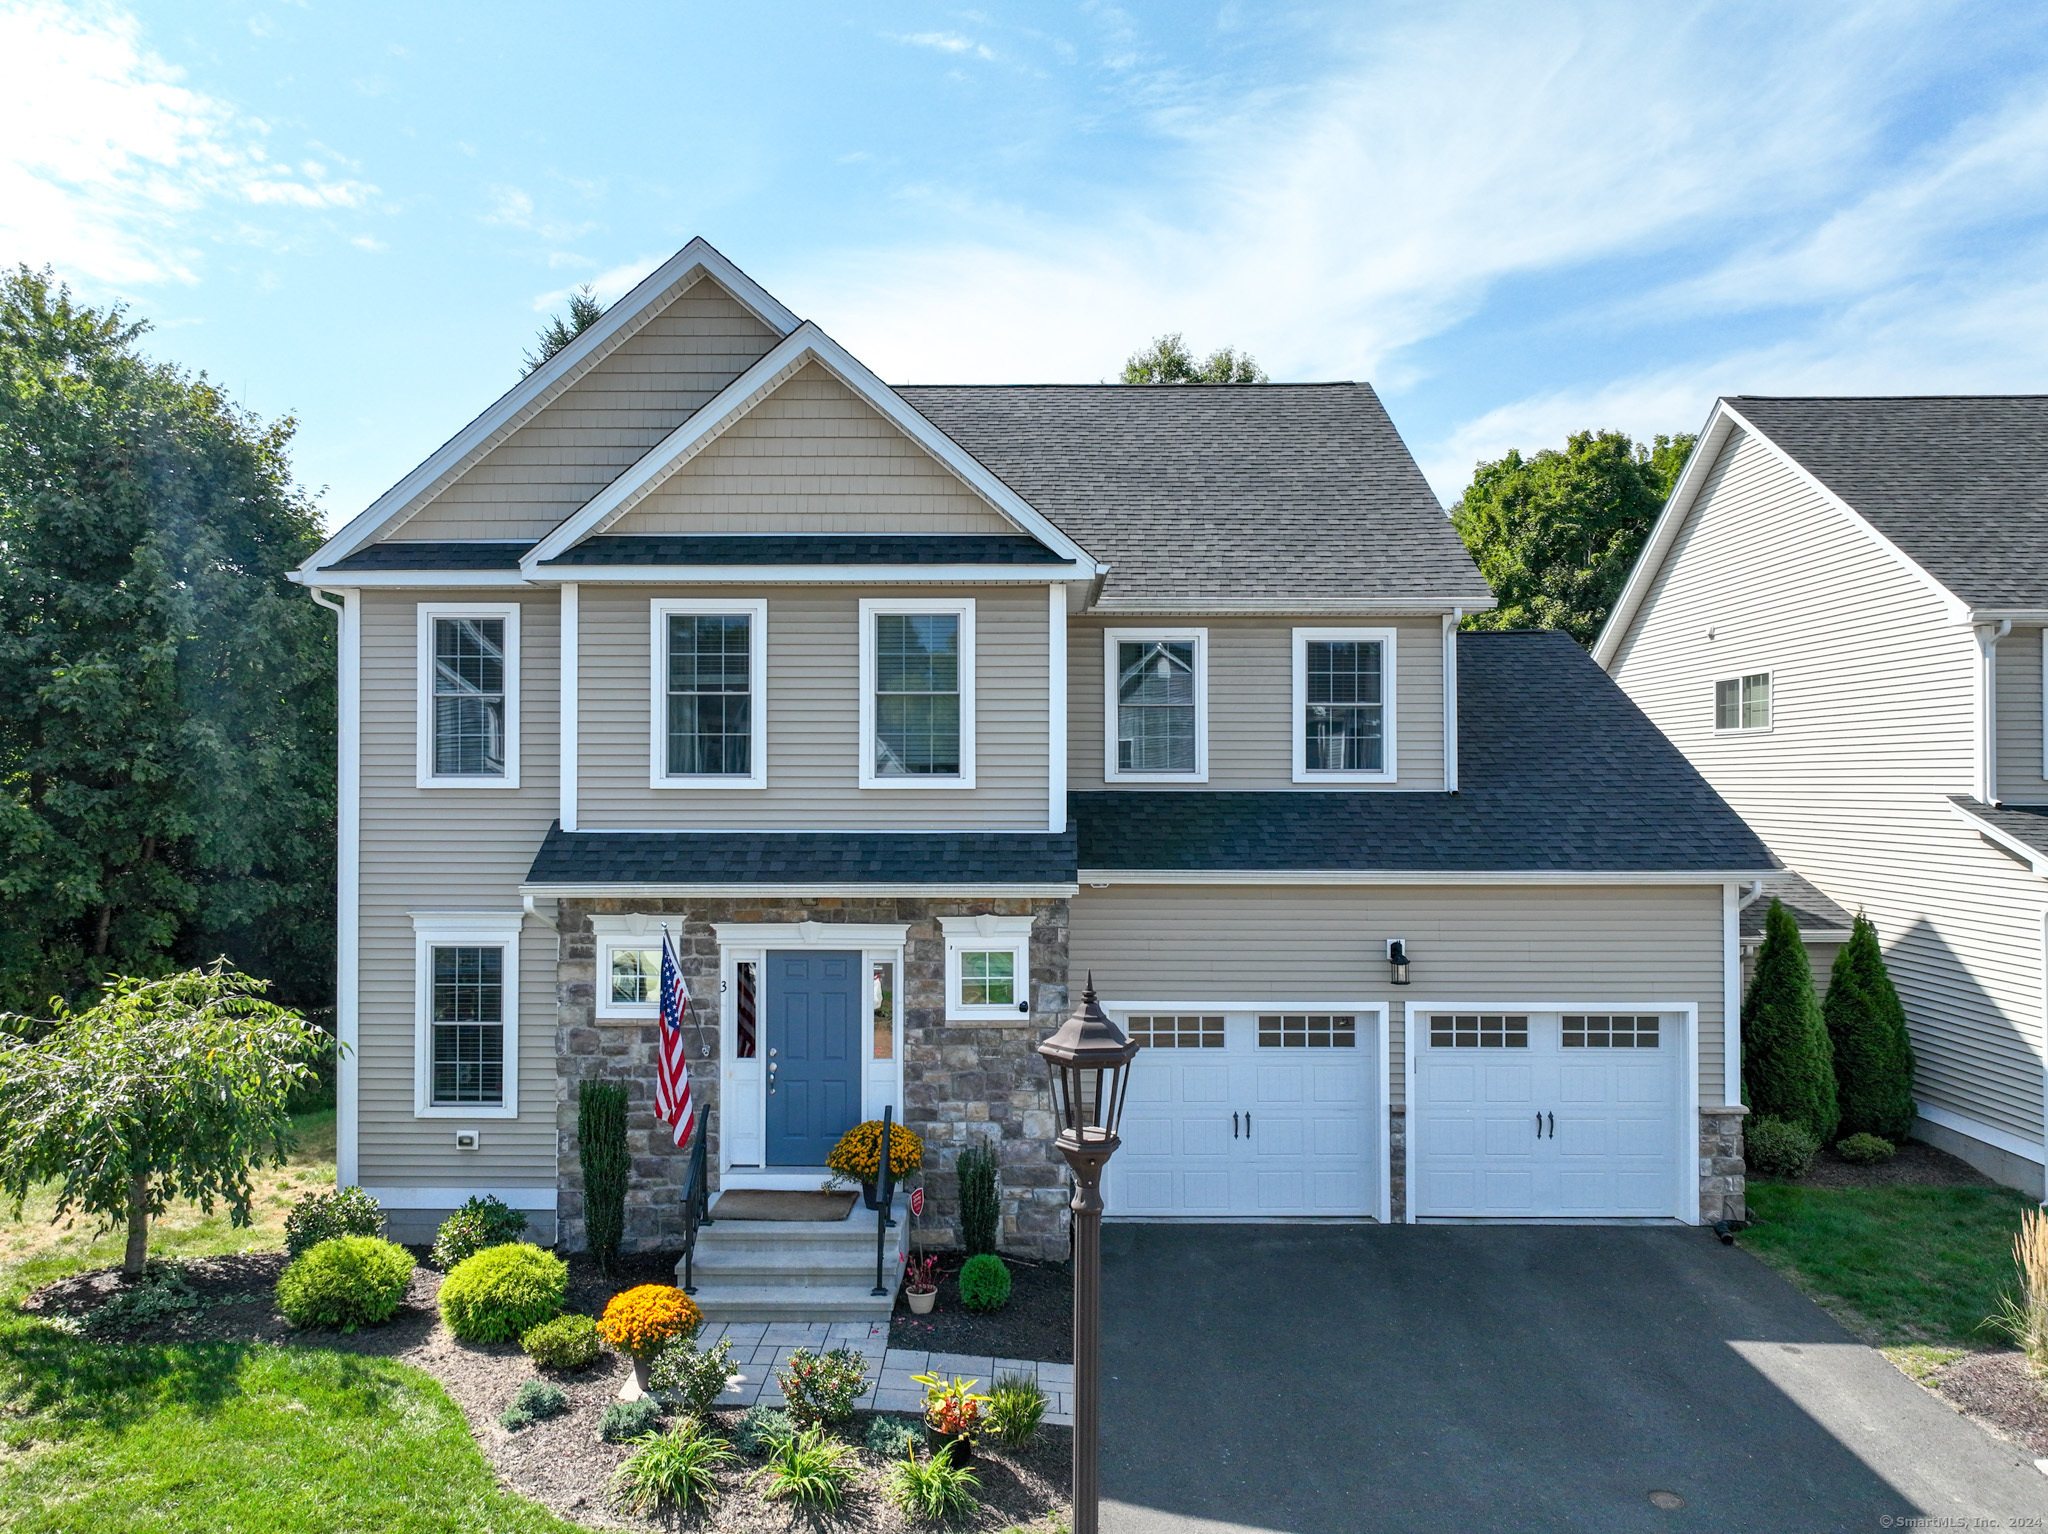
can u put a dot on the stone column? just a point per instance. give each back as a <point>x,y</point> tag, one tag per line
<point>1722,1169</point>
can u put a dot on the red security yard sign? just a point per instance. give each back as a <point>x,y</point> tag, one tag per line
<point>916,1201</point>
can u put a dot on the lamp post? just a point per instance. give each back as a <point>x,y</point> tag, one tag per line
<point>1090,1059</point>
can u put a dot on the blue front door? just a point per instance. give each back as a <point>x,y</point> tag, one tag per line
<point>814,1014</point>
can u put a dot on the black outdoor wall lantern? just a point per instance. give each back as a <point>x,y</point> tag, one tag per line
<point>1397,959</point>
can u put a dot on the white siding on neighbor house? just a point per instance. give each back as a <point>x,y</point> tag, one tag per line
<point>1873,727</point>
<point>1251,693</point>
<point>813,457</point>
<point>449,849</point>
<point>2020,746</point>
<point>1515,945</point>
<point>813,717</point>
<point>605,422</point>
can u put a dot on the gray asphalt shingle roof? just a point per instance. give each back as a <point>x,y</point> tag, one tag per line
<point>807,549</point>
<point>2025,823</point>
<point>803,857</point>
<point>1199,496</point>
<point>1812,910</point>
<point>420,554</point>
<point>1959,482</point>
<point>1559,772</point>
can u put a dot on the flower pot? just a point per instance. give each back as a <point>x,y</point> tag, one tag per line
<point>635,1385</point>
<point>922,1301</point>
<point>870,1195</point>
<point>962,1444</point>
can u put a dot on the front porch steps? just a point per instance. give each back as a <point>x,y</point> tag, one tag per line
<point>784,1270</point>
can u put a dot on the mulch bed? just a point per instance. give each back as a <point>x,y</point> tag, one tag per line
<point>1037,1324</point>
<point>1996,1389</point>
<point>561,1462</point>
<point>1916,1162</point>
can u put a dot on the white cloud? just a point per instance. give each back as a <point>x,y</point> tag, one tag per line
<point>944,42</point>
<point>609,285</point>
<point>105,152</point>
<point>513,208</point>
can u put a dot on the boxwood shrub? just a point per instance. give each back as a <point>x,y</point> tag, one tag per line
<point>503,1292</point>
<point>567,1342</point>
<point>345,1282</point>
<point>330,1212</point>
<point>1866,1150</point>
<point>984,1283</point>
<point>1778,1148</point>
<point>480,1223</point>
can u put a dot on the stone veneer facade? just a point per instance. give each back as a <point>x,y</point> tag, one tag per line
<point>962,1082</point>
<point>1724,1179</point>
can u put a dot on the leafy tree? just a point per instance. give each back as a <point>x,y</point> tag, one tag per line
<point>1788,1068</point>
<point>166,697</point>
<point>166,1088</point>
<point>1867,1028</point>
<point>584,311</point>
<point>1556,535</point>
<point>1168,361</point>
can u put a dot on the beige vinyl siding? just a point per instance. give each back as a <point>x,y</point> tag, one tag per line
<point>1476,943</point>
<point>813,457</point>
<point>606,421</point>
<point>2020,746</point>
<point>1251,691</point>
<point>813,717</point>
<point>449,849</point>
<point>1873,721</point>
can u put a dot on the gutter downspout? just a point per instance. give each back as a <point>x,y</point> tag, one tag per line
<point>347,874</point>
<point>1987,636</point>
<point>1452,621</point>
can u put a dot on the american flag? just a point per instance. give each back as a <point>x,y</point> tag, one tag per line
<point>672,1076</point>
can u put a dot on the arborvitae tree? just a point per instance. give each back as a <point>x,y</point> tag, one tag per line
<point>1867,1028</point>
<point>1788,1069</point>
<point>607,1168</point>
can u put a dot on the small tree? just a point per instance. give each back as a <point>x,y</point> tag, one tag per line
<point>1867,1029</point>
<point>584,311</point>
<point>1788,1067</point>
<point>1168,361</point>
<point>166,1088</point>
<point>607,1168</point>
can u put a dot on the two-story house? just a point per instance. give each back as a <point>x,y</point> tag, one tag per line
<point>1839,619</point>
<point>907,709</point>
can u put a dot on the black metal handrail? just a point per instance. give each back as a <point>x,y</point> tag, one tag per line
<point>696,1199</point>
<point>885,1195</point>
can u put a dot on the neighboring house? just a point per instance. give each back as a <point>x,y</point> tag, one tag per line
<point>1839,619</point>
<point>907,710</point>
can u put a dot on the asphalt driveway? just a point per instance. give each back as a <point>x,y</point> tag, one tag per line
<point>1311,1379</point>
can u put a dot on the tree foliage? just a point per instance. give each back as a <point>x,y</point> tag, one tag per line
<point>1788,1068</point>
<point>166,697</point>
<point>1556,535</point>
<point>1168,361</point>
<point>1867,1028</point>
<point>165,1088</point>
<point>584,311</point>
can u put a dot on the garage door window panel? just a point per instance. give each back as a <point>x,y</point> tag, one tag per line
<point>1478,1031</point>
<point>1593,1032</point>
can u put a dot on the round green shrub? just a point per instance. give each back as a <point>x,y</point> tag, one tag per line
<point>1866,1150</point>
<point>503,1292</point>
<point>984,1283</point>
<point>567,1342</point>
<point>331,1212</point>
<point>346,1281</point>
<point>480,1223</point>
<point>1779,1148</point>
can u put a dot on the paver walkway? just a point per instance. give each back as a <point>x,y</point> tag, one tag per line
<point>760,1347</point>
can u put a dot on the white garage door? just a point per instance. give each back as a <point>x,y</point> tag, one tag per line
<point>1536,1115</point>
<point>1242,1114</point>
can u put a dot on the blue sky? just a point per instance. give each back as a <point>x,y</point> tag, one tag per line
<point>1516,220</point>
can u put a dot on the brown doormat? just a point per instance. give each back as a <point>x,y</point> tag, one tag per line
<point>781,1204</point>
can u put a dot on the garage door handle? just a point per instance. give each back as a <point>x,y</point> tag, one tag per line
<point>1247,1124</point>
<point>1539,1126</point>
<point>1553,1126</point>
<point>1233,1126</point>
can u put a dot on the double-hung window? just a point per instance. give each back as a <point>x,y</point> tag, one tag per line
<point>988,968</point>
<point>469,695</point>
<point>1157,705</point>
<point>1742,702</point>
<point>1343,722</point>
<point>709,708</point>
<point>917,693</point>
<point>467,1027</point>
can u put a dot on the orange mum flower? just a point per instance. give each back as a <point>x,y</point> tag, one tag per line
<point>641,1320</point>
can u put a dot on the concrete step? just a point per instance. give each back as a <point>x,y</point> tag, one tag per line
<point>778,1235</point>
<point>820,1302</point>
<point>796,1270</point>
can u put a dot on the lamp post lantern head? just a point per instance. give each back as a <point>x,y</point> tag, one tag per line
<point>1397,959</point>
<point>1090,1060</point>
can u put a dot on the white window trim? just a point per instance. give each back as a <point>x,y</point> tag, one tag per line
<point>635,929</point>
<point>428,612</point>
<point>1111,638</point>
<point>462,929</point>
<point>660,610</point>
<point>1737,677</point>
<point>1390,693</point>
<point>874,607</point>
<point>987,934</point>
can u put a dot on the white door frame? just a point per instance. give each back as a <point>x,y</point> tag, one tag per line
<point>743,1084</point>
<point>1378,1066</point>
<point>1686,1192</point>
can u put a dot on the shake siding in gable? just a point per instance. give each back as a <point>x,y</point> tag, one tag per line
<point>813,706</point>
<point>602,424</point>
<point>1872,729</point>
<point>1251,681</point>
<point>813,457</point>
<point>449,849</point>
<point>2020,779</point>
<point>1203,944</point>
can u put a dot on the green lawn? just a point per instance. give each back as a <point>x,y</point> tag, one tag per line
<point>1910,1268</point>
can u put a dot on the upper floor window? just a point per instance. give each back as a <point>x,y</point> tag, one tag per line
<point>1157,709</point>
<point>467,1047</point>
<point>710,720</point>
<point>1743,702</point>
<point>1343,714</point>
<point>917,692</point>
<point>469,696</point>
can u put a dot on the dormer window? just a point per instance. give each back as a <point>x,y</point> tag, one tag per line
<point>1157,705</point>
<point>1343,705</point>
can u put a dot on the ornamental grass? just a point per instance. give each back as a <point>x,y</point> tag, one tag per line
<point>859,1151</point>
<point>642,1321</point>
